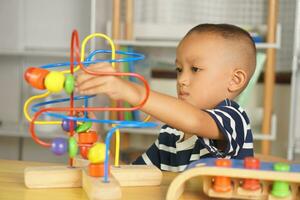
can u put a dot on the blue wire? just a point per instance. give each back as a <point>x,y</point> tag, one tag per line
<point>135,57</point>
<point>120,124</point>
<point>108,138</point>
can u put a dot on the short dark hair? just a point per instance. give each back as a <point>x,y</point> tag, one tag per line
<point>227,31</point>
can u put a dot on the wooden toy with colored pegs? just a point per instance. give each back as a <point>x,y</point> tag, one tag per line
<point>92,171</point>
<point>241,179</point>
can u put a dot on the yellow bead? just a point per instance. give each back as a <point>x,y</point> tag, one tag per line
<point>54,81</point>
<point>97,153</point>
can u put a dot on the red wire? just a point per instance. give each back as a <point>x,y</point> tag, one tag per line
<point>72,109</point>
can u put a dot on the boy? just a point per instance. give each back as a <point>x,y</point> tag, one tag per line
<point>214,63</point>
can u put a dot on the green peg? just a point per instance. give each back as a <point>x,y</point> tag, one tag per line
<point>281,189</point>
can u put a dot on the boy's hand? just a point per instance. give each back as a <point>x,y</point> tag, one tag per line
<point>87,84</point>
<point>113,86</point>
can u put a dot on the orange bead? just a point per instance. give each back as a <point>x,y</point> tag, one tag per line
<point>222,183</point>
<point>251,184</point>
<point>97,170</point>
<point>87,137</point>
<point>84,150</point>
<point>36,77</point>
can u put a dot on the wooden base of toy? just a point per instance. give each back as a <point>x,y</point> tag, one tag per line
<point>52,177</point>
<point>78,161</point>
<point>248,194</point>
<point>137,175</point>
<point>207,173</point>
<point>96,189</point>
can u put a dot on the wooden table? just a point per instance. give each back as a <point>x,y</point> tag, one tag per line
<point>12,186</point>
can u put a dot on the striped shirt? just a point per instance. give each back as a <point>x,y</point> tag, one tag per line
<point>171,152</point>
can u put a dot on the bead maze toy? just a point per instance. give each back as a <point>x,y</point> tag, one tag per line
<point>241,179</point>
<point>92,171</point>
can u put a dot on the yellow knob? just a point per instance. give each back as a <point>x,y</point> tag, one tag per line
<point>54,81</point>
<point>97,153</point>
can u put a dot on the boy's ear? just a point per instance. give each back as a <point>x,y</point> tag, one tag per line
<point>238,80</point>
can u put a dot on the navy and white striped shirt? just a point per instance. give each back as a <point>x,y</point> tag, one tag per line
<point>171,152</point>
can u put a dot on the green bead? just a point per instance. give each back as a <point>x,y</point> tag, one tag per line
<point>84,127</point>
<point>281,188</point>
<point>73,147</point>
<point>69,84</point>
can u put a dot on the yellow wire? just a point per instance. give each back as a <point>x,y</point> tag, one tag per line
<point>113,56</point>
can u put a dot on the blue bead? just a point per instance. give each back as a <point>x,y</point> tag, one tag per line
<point>59,146</point>
<point>65,124</point>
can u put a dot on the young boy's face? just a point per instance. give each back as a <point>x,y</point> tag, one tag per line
<point>203,62</point>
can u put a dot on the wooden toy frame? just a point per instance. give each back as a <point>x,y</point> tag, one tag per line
<point>206,171</point>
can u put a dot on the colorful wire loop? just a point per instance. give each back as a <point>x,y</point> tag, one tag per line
<point>77,59</point>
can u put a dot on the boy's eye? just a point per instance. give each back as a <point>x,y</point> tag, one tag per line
<point>178,69</point>
<point>195,69</point>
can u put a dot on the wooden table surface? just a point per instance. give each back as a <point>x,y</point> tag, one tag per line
<point>12,186</point>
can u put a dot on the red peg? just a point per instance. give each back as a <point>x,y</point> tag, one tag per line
<point>35,77</point>
<point>222,183</point>
<point>251,184</point>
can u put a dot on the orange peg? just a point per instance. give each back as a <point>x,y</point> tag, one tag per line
<point>251,184</point>
<point>222,183</point>
<point>35,77</point>
<point>97,170</point>
<point>88,137</point>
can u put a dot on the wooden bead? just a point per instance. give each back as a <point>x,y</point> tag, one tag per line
<point>54,81</point>
<point>87,137</point>
<point>59,146</point>
<point>36,77</point>
<point>69,84</point>
<point>97,170</point>
<point>65,124</point>
<point>97,153</point>
<point>73,147</point>
<point>84,150</point>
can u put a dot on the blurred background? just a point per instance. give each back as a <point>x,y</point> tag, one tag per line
<point>38,32</point>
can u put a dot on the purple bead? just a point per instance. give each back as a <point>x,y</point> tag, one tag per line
<point>65,124</point>
<point>59,146</point>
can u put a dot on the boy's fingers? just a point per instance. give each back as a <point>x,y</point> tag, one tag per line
<point>93,82</point>
<point>101,67</point>
<point>94,90</point>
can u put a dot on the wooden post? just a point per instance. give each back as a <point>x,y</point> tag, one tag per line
<point>269,78</point>
<point>129,20</point>
<point>116,19</point>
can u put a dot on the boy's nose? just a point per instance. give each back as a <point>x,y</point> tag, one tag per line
<point>183,79</point>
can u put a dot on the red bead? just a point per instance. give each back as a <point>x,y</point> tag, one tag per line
<point>35,77</point>
<point>251,184</point>
<point>222,183</point>
<point>84,150</point>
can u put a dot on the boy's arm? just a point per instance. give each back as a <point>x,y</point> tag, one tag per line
<point>176,113</point>
<point>170,110</point>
